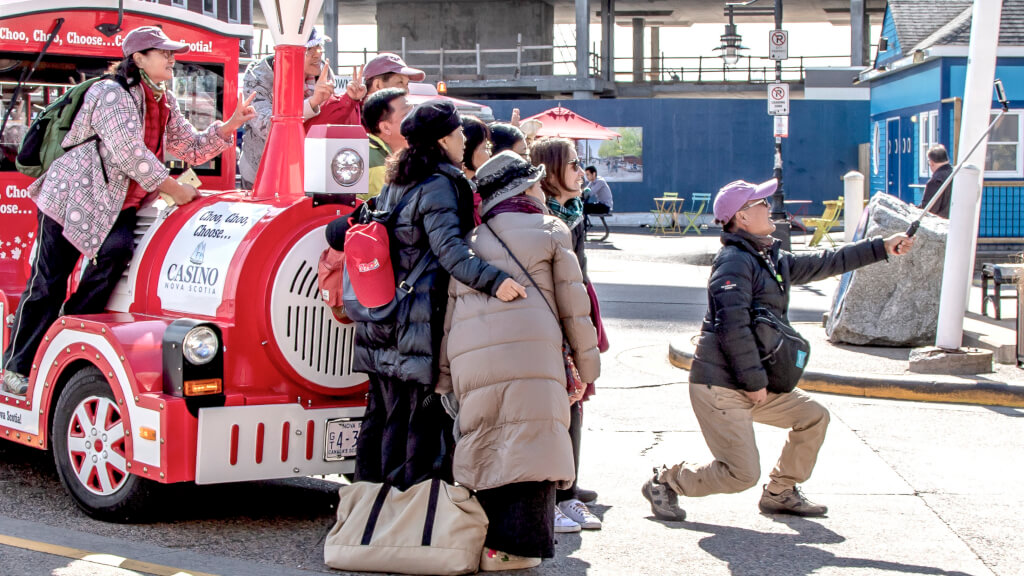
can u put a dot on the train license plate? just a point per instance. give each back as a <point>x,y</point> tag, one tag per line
<point>340,439</point>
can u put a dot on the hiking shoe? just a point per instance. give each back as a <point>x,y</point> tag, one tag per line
<point>492,560</point>
<point>15,383</point>
<point>585,496</point>
<point>564,524</point>
<point>790,501</point>
<point>664,500</point>
<point>579,513</point>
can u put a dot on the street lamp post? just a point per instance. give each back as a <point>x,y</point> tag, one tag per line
<point>782,227</point>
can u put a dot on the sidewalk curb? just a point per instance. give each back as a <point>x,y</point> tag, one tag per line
<point>920,388</point>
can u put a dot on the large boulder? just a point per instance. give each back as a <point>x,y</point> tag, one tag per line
<point>894,303</point>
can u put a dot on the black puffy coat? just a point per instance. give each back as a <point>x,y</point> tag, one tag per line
<point>744,278</point>
<point>437,218</point>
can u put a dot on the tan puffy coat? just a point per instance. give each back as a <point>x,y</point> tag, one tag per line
<point>504,359</point>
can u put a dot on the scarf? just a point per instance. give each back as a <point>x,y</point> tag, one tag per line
<point>521,204</point>
<point>158,89</point>
<point>761,243</point>
<point>156,116</point>
<point>571,213</point>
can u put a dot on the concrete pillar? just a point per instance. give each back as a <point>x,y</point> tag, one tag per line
<point>331,29</point>
<point>965,205</point>
<point>853,202</point>
<point>582,39</point>
<point>608,40</point>
<point>638,49</point>
<point>860,28</point>
<point>655,53</point>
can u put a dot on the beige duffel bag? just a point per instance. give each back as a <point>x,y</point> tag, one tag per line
<point>431,528</point>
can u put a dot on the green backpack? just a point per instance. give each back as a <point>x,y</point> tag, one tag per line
<point>42,143</point>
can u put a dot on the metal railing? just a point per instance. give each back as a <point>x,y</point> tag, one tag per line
<point>560,60</point>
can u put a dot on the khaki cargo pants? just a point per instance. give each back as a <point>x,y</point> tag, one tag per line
<point>727,419</point>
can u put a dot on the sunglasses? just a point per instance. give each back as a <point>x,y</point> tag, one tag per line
<point>758,203</point>
<point>575,163</point>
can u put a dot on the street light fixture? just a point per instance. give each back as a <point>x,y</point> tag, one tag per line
<point>731,47</point>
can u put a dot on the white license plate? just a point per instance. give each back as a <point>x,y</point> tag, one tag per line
<point>340,439</point>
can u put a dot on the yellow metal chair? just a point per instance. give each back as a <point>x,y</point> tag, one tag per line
<point>822,226</point>
<point>701,201</point>
<point>663,217</point>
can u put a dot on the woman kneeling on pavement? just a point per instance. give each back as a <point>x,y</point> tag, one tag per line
<point>88,198</point>
<point>507,369</point>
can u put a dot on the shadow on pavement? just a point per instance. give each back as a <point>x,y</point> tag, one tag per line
<point>752,553</point>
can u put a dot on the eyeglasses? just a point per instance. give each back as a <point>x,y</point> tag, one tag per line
<point>758,203</point>
<point>168,54</point>
<point>575,163</point>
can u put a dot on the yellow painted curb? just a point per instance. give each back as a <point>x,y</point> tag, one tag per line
<point>96,558</point>
<point>892,388</point>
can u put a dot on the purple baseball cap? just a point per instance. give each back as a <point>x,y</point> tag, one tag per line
<point>734,195</point>
<point>146,37</point>
<point>387,62</point>
<point>316,38</point>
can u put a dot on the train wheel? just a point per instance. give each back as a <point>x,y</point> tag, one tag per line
<point>89,447</point>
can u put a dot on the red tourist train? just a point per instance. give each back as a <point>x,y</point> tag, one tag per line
<point>216,361</point>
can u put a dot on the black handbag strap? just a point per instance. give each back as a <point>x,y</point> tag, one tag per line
<point>371,521</point>
<point>532,281</point>
<point>428,523</point>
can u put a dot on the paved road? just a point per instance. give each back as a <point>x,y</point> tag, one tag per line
<point>913,488</point>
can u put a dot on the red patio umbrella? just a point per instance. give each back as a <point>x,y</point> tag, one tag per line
<point>564,123</point>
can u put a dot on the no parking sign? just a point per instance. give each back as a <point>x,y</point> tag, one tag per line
<point>778,99</point>
<point>778,45</point>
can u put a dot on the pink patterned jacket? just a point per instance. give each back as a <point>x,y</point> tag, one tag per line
<point>85,195</point>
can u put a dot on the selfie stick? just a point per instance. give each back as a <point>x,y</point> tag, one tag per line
<point>1001,97</point>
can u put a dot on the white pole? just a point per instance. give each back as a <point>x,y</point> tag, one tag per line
<point>965,204</point>
<point>853,202</point>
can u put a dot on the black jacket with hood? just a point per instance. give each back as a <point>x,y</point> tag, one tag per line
<point>436,218</point>
<point>744,277</point>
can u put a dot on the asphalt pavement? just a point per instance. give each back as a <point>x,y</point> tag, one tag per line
<point>912,487</point>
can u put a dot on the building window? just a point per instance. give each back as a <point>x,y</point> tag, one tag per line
<point>234,10</point>
<point>927,136</point>
<point>1005,157</point>
<point>180,3</point>
<point>210,8</point>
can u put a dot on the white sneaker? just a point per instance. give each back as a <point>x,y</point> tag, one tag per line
<point>564,524</point>
<point>579,513</point>
<point>15,383</point>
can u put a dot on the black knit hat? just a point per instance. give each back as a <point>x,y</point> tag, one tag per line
<point>503,176</point>
<point>430,121</point>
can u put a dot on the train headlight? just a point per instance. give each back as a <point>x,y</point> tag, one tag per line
<point>347,167</point>
<point>200,345</point>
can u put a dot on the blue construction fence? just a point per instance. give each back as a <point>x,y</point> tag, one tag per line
<point>699,145</point>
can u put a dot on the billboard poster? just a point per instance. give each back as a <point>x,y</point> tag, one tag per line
<point>619,160</point>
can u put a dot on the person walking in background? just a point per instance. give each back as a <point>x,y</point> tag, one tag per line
<point>561,185</point>
<point>403,425</point>
<point>599,201</point>
<point>508,137</point>
<point>89,197</point>
<point>510,383</point>
<point>318,95</point>
<point>729,387</point>
<point>478,151</point>
<point>938,163</point>
<point>382,117</point>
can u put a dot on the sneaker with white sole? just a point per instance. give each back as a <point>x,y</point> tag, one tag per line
<point>492,560</point>
<point>579,513</point>
<point>564,524</point>
<point>15,383</point>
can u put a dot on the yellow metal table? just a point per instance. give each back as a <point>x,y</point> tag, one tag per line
<point>666,214</point>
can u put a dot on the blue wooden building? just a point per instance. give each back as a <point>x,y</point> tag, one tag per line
<point>917,89</point>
